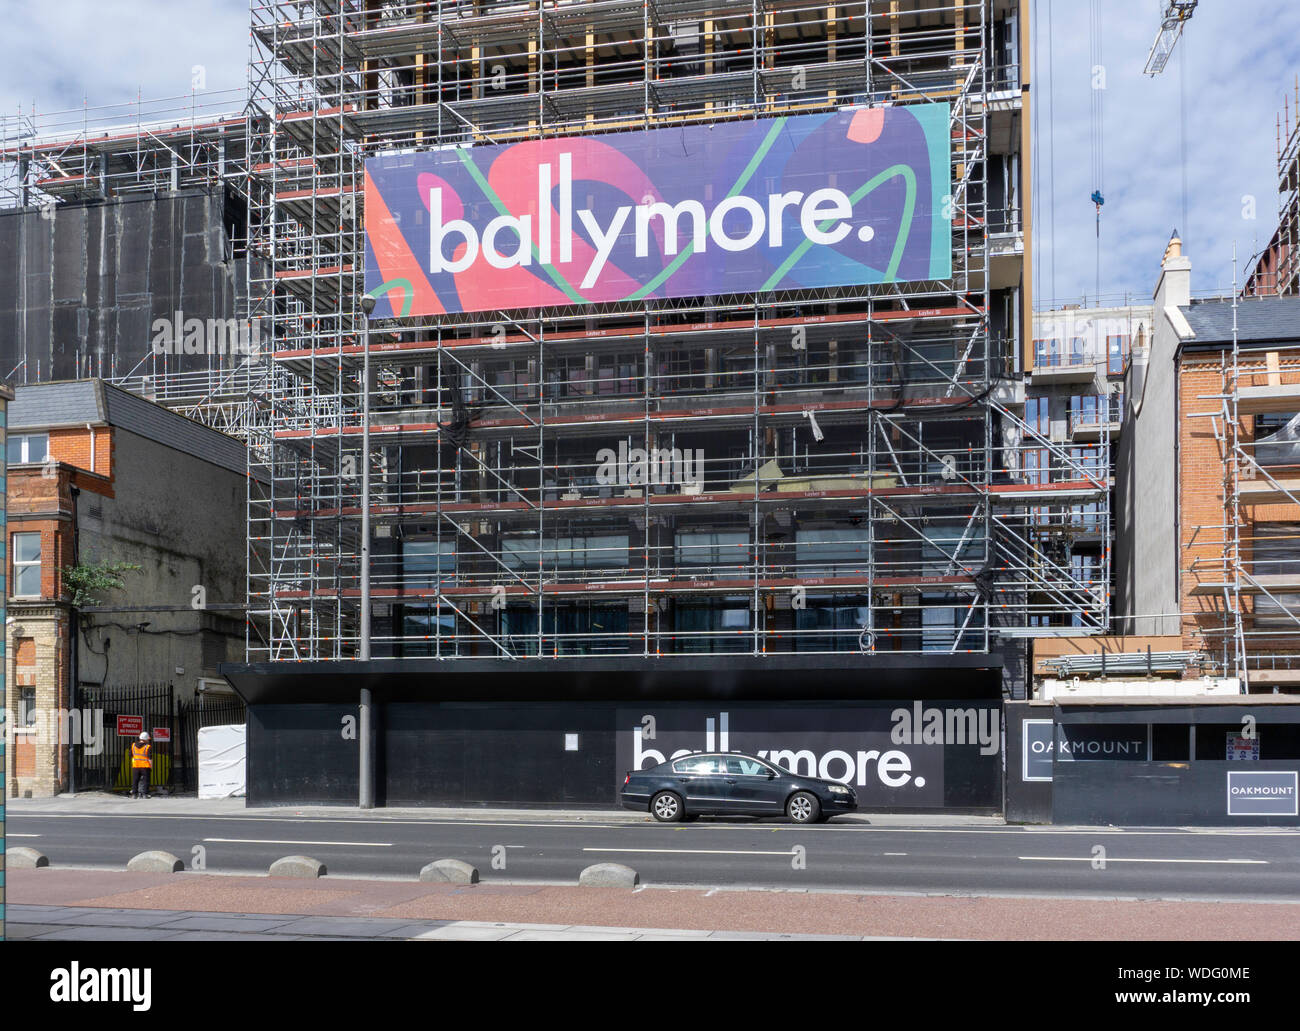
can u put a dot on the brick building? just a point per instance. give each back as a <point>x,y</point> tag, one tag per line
<point>100,478</point>
<point>1208,499</point>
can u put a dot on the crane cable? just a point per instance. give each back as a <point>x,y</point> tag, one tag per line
<point>1097,74</point>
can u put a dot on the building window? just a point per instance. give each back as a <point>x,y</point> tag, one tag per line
<point>1117,350</point>
<point>26,708</point>
<point>719,626</point>
<point>27,447</point>
<point>27,565</point>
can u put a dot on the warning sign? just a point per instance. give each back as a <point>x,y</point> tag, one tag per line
<point>129,726</point>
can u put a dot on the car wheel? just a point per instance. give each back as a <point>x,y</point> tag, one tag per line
<point>803,807</point>
<point>666,807</point>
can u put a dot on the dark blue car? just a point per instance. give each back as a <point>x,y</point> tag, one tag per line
<point>729,784</point>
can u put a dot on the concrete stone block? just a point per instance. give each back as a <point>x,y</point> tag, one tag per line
<point>449,871</point>
<point>609,875</point>
<point>23,858</point>
<point>297,866</point>
<point>155,862</point>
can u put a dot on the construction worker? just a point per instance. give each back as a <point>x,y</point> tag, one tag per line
<point>141,766</point>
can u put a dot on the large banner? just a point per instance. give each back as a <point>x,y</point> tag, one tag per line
<point>857,196</point>
<point>905,755</point>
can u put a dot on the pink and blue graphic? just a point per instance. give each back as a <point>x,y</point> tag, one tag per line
<point>857,196</point>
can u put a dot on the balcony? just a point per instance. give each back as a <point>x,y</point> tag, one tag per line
<point>1052,368</point>
<point>1089,424</point>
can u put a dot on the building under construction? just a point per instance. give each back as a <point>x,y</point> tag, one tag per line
<point>832,485</point>
<point>115,220</point>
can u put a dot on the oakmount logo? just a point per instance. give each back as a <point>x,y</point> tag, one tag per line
<point>102,984</point>
<point>1134,747</point>
<point>754,223</point>
<point>652,466</point>
<point>929,726</point>
<point>179,335</point>
<point>1262,793</point>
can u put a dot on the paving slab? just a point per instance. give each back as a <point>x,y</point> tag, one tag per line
<point>107,934</point>
<point>465,932</point>
<point>572,936</point>
<point>141,918</point>
<point>361,927</point>
<point>249,924</point>
<point>231,936</point>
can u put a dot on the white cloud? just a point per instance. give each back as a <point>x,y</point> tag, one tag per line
<point>106,53</point>
<point>1239,61</point>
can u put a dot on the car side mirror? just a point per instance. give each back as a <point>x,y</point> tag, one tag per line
<point>771,775</point>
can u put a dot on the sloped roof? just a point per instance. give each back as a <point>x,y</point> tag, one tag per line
<point>1260,320</point>
<point>46,406</point>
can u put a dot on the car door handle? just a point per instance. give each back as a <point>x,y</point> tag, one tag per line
<point>731,782</point>
<point>681,780</point>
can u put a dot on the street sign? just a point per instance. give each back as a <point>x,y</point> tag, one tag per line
<point>129,726</point>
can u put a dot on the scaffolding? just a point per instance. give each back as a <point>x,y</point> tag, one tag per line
<point>55,162</point>
<point>1288,180</point>
<point>848,469</point>
<point>1243,574</point>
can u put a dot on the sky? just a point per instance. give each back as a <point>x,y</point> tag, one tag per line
<point>1235,63</point>
<point>1227,81</point>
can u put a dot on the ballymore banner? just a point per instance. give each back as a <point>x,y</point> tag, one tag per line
<point>857,196</point>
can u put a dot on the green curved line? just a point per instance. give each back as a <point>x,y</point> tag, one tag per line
<point>490,194</point>
<point>746,174</point>
<point>408,296</point>
<point>904,229</point>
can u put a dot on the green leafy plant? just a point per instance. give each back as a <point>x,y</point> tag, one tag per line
<point>87,580</point>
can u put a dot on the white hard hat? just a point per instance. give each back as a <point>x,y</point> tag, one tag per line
<point>144,736</point>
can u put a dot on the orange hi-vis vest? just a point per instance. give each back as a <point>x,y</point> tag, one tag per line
<point>140,757</point>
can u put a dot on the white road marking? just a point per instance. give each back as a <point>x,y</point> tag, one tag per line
<point>274,841</point>
<point>895,853</point>
<point>692,851</point>
<point>1112,859</point>
<point>12,835</point>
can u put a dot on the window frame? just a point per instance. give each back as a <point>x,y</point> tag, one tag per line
<point>15,564</point>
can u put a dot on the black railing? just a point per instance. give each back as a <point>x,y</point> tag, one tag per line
<point>105,764</point>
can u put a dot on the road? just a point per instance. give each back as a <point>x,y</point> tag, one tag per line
<point>1260,865</point>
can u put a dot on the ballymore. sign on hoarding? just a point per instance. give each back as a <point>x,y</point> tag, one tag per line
<point>852,197</point>
<point>898,755</point>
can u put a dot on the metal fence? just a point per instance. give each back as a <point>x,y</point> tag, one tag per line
<point>172,725</point>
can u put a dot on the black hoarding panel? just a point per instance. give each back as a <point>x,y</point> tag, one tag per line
<point>1202,793</point>
<point>503,754</point>
<point>302,754</point>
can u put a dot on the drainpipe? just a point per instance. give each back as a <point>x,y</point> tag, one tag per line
<point>74,637</point>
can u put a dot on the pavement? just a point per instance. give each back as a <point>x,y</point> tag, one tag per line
<point>57,904</point>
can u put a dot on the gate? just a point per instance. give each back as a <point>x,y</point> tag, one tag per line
<point>109,767</point>
<point>175,761</point>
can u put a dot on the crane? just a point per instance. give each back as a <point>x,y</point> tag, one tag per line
<point>1176,14</point>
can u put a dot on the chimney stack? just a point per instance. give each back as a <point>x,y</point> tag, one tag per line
<point>1175,285</point>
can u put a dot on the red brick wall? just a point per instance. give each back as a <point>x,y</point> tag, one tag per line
<point>1204,474</point>
<point>73,446</point>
